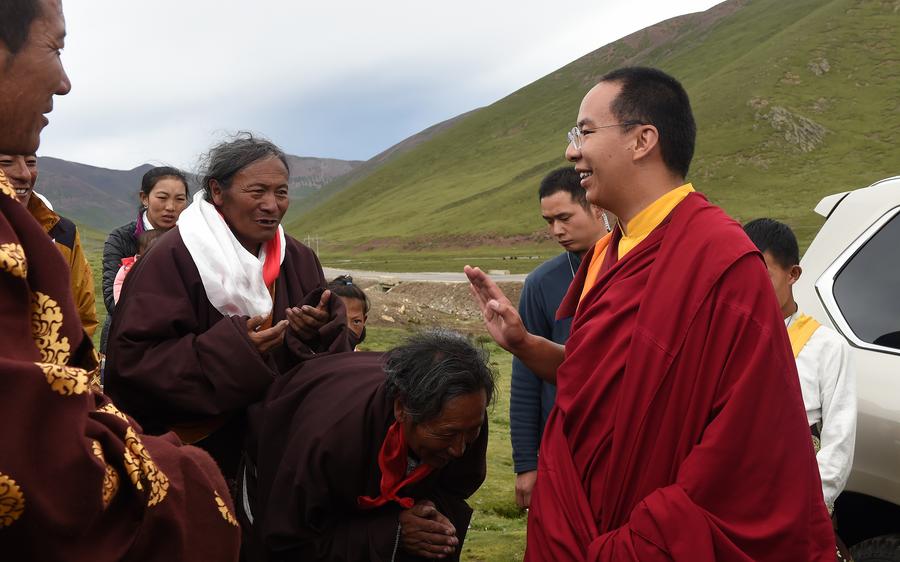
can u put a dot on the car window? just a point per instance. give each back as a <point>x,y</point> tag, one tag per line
<point>867,289</point>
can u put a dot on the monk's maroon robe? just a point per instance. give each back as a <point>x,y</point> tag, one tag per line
<point>175,362</point>
<point>679,430</point>
<point>79,481</point>
<point>313,446</point>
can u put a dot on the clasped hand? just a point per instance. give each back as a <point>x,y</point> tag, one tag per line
<point>426,532</point>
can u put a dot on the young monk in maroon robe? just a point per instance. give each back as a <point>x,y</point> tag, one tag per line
<point>79,481</point>
<point>220,306</point>
<point>359,456</point>
<point>679,431</point>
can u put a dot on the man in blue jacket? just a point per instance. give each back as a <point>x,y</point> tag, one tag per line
<point>576,226</point>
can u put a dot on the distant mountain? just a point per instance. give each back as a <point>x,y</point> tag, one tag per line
<point>309,199</point>
<point>98,197</point>
<point>312,173</point>
<point>793,100</point>
<point>103,199</point>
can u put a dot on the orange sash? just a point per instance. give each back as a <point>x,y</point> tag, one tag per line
<point>800,331</point>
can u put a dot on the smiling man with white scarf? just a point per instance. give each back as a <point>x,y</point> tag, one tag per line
<point>223,304</point>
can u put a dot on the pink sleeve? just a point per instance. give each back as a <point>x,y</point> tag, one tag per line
<point>117,283</point>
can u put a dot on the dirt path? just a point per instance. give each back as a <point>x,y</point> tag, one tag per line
<point>431,276</point>
<point>424,299</point>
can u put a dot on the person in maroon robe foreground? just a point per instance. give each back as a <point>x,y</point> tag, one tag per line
<point>364,456</point>
<point>223,303</point>
<point>679,431</point>
<point>78,479</point>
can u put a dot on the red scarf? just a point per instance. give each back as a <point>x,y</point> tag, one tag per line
<point>392,459</point>
<point>272,265</point>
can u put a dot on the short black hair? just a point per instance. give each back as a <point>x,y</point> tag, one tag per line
<point>652,97</point>
<point>564,179</point>
<point>774,237</point>
<point>16,17</point>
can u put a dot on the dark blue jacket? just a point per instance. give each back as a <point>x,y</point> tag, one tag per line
<point>530,397</point>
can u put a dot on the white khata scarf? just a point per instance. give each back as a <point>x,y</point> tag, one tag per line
<point>232,276</point>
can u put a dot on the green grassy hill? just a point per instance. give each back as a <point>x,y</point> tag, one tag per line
<point>794,100</point>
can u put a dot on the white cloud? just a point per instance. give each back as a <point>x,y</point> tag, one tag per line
<point>159,81</point>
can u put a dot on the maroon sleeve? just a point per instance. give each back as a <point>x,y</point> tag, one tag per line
<point>170,354</point>
<point>83,484</point>
<point>366,536</point>
<point>78,480</point>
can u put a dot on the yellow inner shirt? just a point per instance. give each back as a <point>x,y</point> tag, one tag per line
<point>637,229</point>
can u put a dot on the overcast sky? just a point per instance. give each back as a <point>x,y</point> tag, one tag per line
<point>160,81</point>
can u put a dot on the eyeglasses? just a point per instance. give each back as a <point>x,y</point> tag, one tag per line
<point>576,135</point>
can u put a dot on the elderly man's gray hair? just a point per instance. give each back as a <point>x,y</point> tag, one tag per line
<point>231,156</point>
<point>431,368</point>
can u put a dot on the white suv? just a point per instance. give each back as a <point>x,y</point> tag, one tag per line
<point>851,282</point>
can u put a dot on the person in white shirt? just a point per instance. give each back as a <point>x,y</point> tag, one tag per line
<point>827,379</point>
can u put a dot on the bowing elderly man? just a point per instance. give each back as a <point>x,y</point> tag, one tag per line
<point>364,456</point>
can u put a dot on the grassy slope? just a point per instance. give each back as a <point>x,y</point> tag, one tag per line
<point>497,530</point>
<point>92,242</point>
<point>478,179</point>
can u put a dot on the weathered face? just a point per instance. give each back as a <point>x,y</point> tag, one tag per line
<point>166,201</point>
<point>574,227</point>
<point>22,174</point>
<point>438,441</point>
<point>356,315</point>
<point>30,78</point>
<point>255,203</point>
<point>783,278</point>
<point>606,157</point>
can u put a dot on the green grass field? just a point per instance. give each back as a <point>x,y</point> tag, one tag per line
<point>497,531</point>
<point>92,243</point>
<point>516,259</point>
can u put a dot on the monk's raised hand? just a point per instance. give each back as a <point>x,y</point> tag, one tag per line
<point>500,316</point>
<point>306,320</point>
<point>268,339</point>
<point>426,532</point>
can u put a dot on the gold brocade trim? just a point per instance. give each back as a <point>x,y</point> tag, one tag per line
<point>110,478</point>
<point>5,186</point>
<point>142,470</point>
<point>12,259</point>
<point>46,322</point>
<point>94,372</point>
<point>12,502</point>
<point>111,409</point>
<point>223,509</point>
<point>68,381</point>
